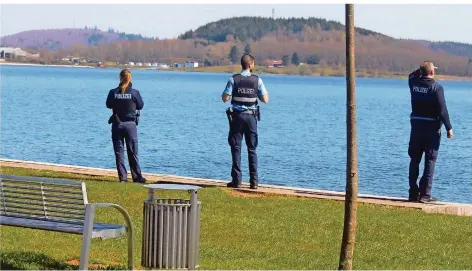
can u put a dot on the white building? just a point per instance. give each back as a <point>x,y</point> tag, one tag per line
<point>139,64</point>
<point>191,64</point>
<point>178,65</point>
<point>10,52</point>
<point>130,63</point>
<point>147,64</point>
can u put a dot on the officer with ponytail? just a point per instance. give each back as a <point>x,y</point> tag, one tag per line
<point>125,101</point>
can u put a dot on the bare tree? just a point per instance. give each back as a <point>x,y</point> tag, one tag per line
<point>350,207</point>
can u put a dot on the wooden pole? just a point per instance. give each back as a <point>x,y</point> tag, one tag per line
<point>350,208</point>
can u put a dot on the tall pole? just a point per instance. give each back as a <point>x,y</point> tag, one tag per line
<point>350,207</point>
<point>468,67</point>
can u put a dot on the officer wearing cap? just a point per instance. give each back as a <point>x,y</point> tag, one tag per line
<point>244,89</point>
<point>429,112</point>
<point>125,101</point>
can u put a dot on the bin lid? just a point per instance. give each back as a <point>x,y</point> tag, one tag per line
<point>171,186</point>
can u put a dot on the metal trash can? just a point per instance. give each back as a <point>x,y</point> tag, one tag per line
<point>171,229</point>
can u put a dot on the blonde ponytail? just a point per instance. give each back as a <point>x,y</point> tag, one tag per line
<point>125,79</point>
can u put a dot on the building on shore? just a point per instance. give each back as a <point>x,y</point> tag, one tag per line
<point>15,53</point>
<point>191,64</point>
<point>274,64</point>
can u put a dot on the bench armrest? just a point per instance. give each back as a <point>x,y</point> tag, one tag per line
<point>89,218</point>
<point>125,214</point>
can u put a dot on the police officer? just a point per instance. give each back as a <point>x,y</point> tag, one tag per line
<point>124,101</point>
<point>244,89</point>
<point>429,112</point>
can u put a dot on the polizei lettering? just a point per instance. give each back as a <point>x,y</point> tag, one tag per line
<point>123,96</point>
<point>246,90</point>
<point>420,90</point>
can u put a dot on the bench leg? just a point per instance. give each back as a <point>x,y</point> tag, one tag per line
<point>87,237</point>
<point>130,248</point>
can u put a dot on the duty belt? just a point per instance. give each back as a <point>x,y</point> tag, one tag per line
<point>249,112</point>
<point>423,118</point>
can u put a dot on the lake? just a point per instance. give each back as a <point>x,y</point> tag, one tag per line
<point>58,115</point>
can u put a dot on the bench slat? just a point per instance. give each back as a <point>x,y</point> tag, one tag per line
<point>40,218</point>
<point>47,195</point>
<point>33,213</point>
<point>48,184</point>
<point>48,210</point>
<point>9,178</point>
<point>8,195</point>
<point>100,230</point>
<point>75,191</point>
<point>68,207</point>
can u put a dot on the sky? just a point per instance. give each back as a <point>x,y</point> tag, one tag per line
<point>429,22</point>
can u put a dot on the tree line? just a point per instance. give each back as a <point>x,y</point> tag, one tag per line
<point>311,45</point>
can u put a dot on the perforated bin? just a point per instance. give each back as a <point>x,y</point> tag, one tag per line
<point>171,229</point>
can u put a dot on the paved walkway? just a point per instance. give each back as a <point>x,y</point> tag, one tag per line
<point>438,207</point>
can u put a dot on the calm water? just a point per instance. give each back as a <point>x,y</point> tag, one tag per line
<point>58,115</point>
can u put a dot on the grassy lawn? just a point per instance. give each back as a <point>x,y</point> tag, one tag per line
<point>246,231</point>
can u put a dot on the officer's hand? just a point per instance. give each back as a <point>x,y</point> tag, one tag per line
<point>450,134</point>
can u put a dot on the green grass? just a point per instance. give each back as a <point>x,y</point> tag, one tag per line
<point>246,231</point>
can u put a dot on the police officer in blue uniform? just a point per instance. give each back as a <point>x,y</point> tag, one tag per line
<point>125,101</point>
<point>244,89</point>
<point>429,112</point>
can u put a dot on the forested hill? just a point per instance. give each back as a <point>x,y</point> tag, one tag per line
<point>55,39</point>
<point>316,40</point>
<point>254,28</point>
<point>455,48</point>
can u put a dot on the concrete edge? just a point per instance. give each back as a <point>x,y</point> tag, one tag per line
<point>431,208</point>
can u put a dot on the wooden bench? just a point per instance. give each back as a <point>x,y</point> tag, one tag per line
<point>60,206</point>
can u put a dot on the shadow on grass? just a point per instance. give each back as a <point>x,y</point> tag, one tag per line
<point>39,261</point>
<point>30,260</point>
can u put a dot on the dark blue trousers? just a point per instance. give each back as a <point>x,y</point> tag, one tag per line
<point>243,125</point>
<point>121,133</point>
<point>425,137</point>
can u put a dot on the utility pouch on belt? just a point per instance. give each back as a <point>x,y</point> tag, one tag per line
<point>258,113</point>
<point>114,119</point>
<point>137,117</point>
<point>229,113</point>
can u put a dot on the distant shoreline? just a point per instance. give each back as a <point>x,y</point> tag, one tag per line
<point>234,69</point>
<point>42,65</point>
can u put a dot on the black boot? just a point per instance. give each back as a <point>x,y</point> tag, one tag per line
<point>233,185</point>
<point>428,199</point>
<point>414,197</point>
<point>142,180</point>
